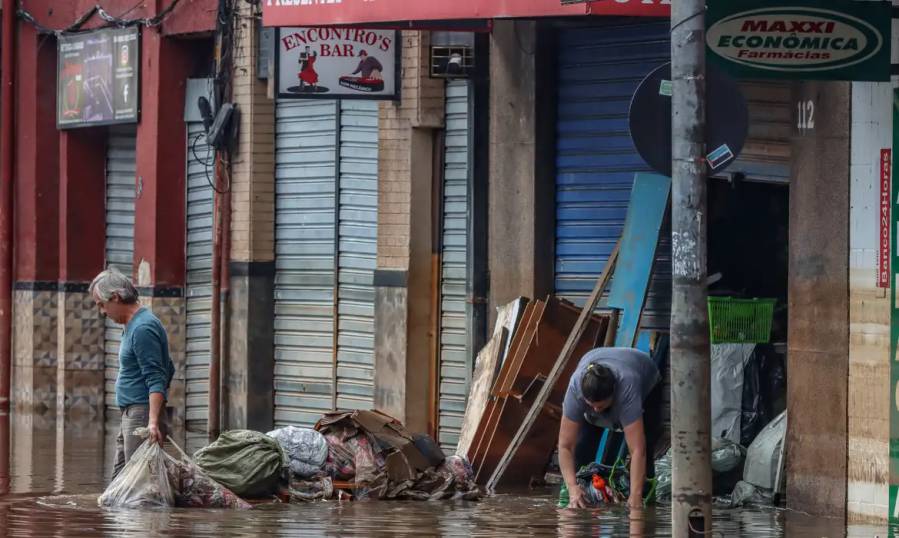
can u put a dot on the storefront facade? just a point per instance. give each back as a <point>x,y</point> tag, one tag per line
<point>371,241</point>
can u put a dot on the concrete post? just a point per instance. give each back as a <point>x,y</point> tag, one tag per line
<point>690,363</point>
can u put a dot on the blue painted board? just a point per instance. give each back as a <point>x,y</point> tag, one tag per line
<point>649,204</point>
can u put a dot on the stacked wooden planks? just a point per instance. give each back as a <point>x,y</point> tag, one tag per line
<point>535,348</point>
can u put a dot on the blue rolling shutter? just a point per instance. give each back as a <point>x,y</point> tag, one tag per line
<point>599,70</point>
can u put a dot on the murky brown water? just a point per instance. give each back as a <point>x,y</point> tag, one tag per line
<point>57,470</point>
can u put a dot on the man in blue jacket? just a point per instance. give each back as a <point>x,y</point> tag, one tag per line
<point>145,367</point>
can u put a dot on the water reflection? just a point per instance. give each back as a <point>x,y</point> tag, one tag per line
<point>51,471</point>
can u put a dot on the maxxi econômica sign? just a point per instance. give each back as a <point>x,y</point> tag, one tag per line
<point>804,39</point>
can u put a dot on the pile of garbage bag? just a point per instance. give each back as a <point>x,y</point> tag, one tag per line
<point>380,459</point>
<point>359,454</point>
<point>154,479</point>
<point>727,469</point>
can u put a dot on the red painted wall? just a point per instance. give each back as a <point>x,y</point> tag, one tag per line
<point>60,176</point>
<point>190,16</point>
<point>159,233</point>
<point>82,197</point>
<point>37,158</point>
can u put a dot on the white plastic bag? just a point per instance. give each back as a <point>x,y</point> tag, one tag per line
<point>306,449</point>
<point>146,481</point>
<point>728,363</point>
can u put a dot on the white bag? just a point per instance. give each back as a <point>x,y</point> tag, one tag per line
<point>306,449</point>
<point>146,481</point>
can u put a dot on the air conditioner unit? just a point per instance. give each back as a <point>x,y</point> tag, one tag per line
<point>452,61</point>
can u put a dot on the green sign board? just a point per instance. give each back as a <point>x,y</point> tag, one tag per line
<point>804,39</point>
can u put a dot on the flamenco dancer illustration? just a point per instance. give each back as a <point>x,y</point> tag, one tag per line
<point>307,75</point>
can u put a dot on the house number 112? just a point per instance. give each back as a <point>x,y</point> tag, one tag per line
<point>806,115</point>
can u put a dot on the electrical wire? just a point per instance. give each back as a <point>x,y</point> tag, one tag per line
<point>97,9</point>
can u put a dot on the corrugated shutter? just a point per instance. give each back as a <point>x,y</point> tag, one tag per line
<point>599,70</point>
<point>766,154</point>
<point>455,316</point>
<point>198,292</point>
<point>121,171</point>
<point>357,253</point>
<point>305,157</point>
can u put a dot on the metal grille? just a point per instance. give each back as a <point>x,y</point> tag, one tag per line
<point>305,181</point>
<point>455,356</point>
<point>198,292</point>
<point>121,172</point>
<point>357,253</point>
<point>599,69</point>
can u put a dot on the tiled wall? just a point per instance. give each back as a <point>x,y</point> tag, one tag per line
<point>34,349</point>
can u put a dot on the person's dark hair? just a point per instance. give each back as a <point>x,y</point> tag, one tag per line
<point>598,383</point>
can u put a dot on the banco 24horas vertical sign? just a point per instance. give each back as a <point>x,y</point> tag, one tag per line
<point>801,39</point>
<point>329,63</point>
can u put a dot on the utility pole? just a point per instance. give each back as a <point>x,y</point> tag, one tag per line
<point>690,361</point>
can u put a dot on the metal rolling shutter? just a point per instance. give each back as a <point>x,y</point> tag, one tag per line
<point>121,170</point>
<point>598,71</point>
<point>305,165</point>
<point>198,292</point>
<point>766,154</point>
<point>357,253</point>
<point>455,357</point>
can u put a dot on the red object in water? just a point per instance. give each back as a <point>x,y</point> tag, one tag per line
<point>600,485</point>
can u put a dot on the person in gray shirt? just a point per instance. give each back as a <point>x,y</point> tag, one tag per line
<point>611,388</point>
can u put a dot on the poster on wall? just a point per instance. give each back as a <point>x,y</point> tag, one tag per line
<point>337,63</point>
<point>98,78</point>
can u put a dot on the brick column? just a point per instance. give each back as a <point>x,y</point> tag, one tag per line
<point>249,366</point>
<point>818,340</point>
<point>80,327</point>
<point>36,228</point>
<point>404,280</point>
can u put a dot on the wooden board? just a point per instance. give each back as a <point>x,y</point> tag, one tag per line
<point>649,205</point>
<point>481,384</point>
<point>555,373</point>
<point>536,361</point>
<point>489,420</point>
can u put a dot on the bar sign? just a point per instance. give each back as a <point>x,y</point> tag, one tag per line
<point>883,264</point>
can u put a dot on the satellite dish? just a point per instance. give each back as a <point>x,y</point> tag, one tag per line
<point>727,120</point>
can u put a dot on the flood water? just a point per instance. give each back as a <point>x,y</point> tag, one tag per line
<point>57,470</point>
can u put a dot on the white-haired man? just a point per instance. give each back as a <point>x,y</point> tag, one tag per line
<point>145,367</point>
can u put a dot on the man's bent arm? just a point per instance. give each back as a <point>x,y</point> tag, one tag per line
<point>635,436</point>
<point>568,431</point>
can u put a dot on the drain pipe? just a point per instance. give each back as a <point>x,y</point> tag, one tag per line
<point>691,485</point>
<point>7,167</point>
<point>215,344</point>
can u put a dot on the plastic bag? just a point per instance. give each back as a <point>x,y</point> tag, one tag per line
<point>146,481</point>
<point>764,391</point>
<point>197,490</point>
<point>306,449</point>
<point>727,456</point>
<point>248,463</point>
<point>728,362</point>
<point>663,476</point>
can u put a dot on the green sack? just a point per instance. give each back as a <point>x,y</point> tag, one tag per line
<point>248,463</point>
